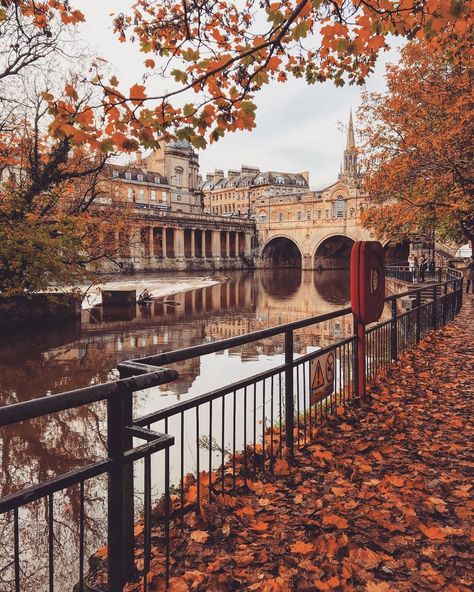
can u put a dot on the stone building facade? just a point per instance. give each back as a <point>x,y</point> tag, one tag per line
<point>167,179</point>
<point>235,194</point>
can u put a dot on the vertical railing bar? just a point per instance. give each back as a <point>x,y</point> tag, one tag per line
<point>271,418</point>
<point>254,427</point>
<point>16,549</point>
<point>245,435</point>
<point>304,402</point>
<point>309,398</point>
<point>234,428</point>
<point>167,515</point>
<point>51,542</point>
<point>297,404</point>
<point>223,446</point>
<point>81,535</point>
<point>181,455</point>
<point>147,521</point>
<point>280,419</point>
<point>289,396</point>
<point>263,422</point>
<point>210,449</point>
<point>198,459</point>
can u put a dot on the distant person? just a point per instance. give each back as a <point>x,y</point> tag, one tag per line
<point>415,273</point>
<point>423,268</point>
<point>470,275</point>
<point>412,267</point>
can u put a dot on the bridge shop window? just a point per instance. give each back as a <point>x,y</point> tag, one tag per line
<point>308,215</point>
<point>280,217</point>
<point>298,215</point>
<point>262,216</point>
<point>319,214</point>
<point>340,207</point>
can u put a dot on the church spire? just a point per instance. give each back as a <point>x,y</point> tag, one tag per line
<point>350,144</point>
<point>350,168</point>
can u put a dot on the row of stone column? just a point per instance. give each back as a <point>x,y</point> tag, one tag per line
<point>190,243</point>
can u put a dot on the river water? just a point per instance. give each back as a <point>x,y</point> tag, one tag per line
<point>38,362</point>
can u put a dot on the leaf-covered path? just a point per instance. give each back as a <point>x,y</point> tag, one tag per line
<point>380,501</point>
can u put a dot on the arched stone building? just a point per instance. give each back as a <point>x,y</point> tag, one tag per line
<point>316,228</point>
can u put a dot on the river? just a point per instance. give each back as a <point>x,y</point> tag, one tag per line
<point>38,362</point>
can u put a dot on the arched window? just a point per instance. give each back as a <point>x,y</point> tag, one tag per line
<point>178,173</point>
<point>340,207</point>
<point>262,217</point>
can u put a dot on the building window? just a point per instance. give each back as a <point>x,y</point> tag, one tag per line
<point>128,175</point>
<point>280,217</point>
<point>262,217</point>
<point>129,194</point>
<point>327,213</point>
<point>115,173</point>
<point>298,215</point>
<point>340,207</point>
<point>178,173</point>
<point>178,197</point>
<point>139,177</point>
<point>319,214</point>
<point>289,215</point>
<point>153,195</point>
<point>157,180</point>
<point>163,196</point>
<point>142,194</point>
<point>308,215</point>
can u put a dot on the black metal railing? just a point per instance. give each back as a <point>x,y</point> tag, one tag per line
<point>213,442</point>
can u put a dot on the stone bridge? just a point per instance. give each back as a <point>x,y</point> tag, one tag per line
<point>314,232</point>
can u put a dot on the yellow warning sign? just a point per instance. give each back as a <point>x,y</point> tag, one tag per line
<point>322,377</point>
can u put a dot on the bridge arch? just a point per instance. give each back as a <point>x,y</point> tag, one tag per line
<point>333,252</point>
<point>282,251</point>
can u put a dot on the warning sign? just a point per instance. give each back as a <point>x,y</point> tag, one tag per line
<point>322,377</point>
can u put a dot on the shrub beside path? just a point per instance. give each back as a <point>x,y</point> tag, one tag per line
<point>380,501</point>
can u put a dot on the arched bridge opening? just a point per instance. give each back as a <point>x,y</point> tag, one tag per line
<point>334,253</point>
<point>282,252</point>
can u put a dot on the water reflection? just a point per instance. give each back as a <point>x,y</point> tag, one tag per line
<point>63,358</point>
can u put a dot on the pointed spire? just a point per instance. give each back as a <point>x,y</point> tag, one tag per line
<point>350,134</point>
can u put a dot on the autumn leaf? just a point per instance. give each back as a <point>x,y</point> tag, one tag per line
<point>281,467</point>
<point>378,587</point>
<point>260,526</point>
<point>137,93</point>
<point>200,536</point>
<point>301,547</point>
<point>395,480</point>
<point>149,63</point>
<point>434,532</point>
<point>334,520</point>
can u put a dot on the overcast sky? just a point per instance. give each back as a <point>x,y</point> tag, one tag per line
<point>297,125</point>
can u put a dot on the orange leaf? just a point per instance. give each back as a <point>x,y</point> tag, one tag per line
<point>149,63</point>
<point>434,532</point>
<point>259,526</point>
<point>395,480</point>
<point>334,520</point>
<point>301,547</point>
<point>137,93</point>
<point>200,536</point>
<point>281,467</point>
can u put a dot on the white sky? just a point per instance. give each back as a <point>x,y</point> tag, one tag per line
<point>297,125</point>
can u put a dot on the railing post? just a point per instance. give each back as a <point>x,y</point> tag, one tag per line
<point>434,310</point>
<point>355,360</point>
<point>289,398</point>
<point>128,497</point>
<point>115,499</point>
<point>418,316</point>
<point>440,275</point>
<point>393,331</point>
<point>361,362</point>
<point>445,303</point>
